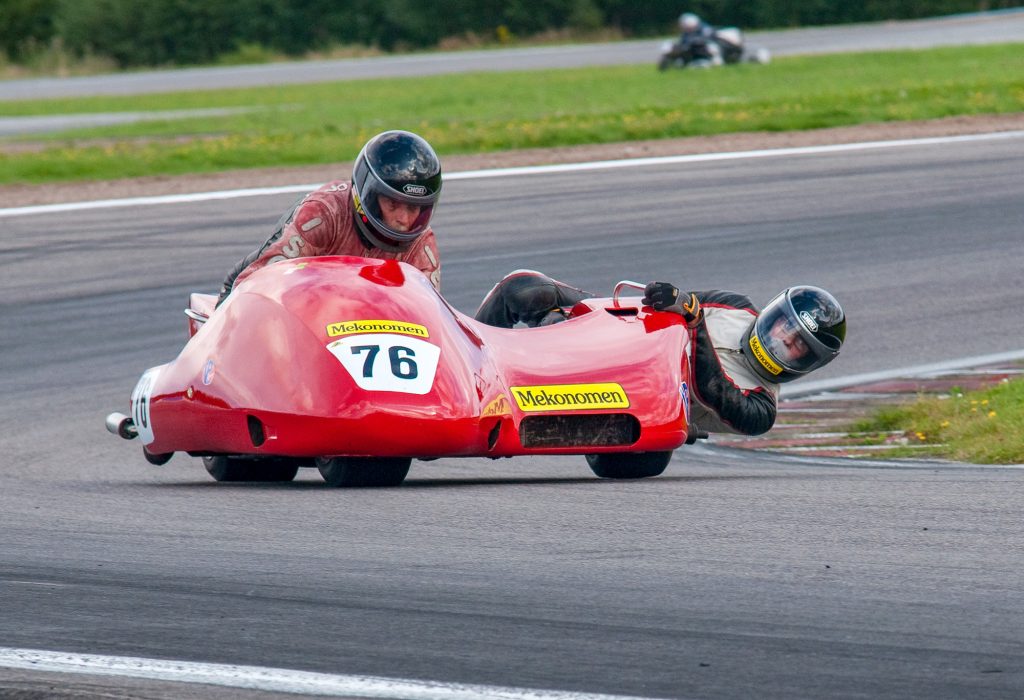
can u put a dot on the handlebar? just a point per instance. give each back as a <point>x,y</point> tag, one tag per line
<point>620,286</point>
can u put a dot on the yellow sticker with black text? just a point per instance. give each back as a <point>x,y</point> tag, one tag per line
<point>762,356</point>
<point>376,326</point>
<point>570,397</point>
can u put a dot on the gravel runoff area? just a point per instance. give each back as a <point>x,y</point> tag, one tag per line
<point>26,195</point>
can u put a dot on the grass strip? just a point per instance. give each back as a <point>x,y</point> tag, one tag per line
<point>980,427</point>
<point>472,113</point>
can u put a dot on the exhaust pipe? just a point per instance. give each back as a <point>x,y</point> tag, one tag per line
<point>122,426</point>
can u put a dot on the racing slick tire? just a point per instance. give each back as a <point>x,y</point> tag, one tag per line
<point>363,471</point>
<point>232,469</point>
<point>629,465</point>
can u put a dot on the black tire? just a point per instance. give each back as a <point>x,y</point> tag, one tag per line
<point>364,471</point>
<point>664,63</point>
<point>233,469</point>
<point>629,465</point>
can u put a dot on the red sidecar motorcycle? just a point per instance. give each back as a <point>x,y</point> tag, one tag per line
<point>358,366</point>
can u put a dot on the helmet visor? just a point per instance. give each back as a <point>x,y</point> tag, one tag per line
<point>399,216</point>
<point>787,340</point>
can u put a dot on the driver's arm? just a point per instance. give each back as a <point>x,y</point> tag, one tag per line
<point>305,231</point>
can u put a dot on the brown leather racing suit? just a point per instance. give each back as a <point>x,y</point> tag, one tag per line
<point>728,396</point>
<point>323,223</point>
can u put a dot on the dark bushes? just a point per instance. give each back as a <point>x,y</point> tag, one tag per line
<point>159,32</point>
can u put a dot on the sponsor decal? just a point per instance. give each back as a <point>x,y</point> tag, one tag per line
<point>762,356</point>
<point>376,326</point>
<point>208,372</point>
<point>575,397</point>
<point>497,407</point>
<point>684,392</point>
<point>809,321</point>
<point>418,190</point>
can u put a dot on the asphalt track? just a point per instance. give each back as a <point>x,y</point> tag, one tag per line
<point>733,575</point>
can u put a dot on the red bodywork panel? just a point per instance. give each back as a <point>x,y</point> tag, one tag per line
<point>341,356</point>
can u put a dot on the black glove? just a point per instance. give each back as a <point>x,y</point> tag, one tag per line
<point>690,309</point>
<point>660,295</point>
<point>552,317</point>
<point>663,296</point>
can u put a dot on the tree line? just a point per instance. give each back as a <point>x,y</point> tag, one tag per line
<point>163,32</point>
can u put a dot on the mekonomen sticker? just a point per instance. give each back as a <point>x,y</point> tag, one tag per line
<point>762,356</point>
<point>376,326</point>
<point>570,397</point>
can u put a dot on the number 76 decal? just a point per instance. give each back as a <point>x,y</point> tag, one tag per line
<point>387,362</point>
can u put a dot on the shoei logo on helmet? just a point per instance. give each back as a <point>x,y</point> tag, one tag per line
<point>762,356</point>
<point>376,326</point>
<point>418,190</point>
<point>809,321</point>
<point>570,396</point>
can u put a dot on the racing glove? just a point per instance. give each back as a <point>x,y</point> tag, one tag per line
<point>552,317</point>
<point>663,296</point>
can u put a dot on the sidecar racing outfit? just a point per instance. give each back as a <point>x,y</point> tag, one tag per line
<point>324,223</point>
<point>728,395</point>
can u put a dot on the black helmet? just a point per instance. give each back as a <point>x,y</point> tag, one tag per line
<point>403,167</point>
<point>799,331</point>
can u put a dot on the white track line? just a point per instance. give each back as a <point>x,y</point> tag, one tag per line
<point>818,387</point>
<point>526,170</point>
<point>275,679</point>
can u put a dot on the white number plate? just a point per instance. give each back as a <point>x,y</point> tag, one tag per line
<point>388,362</point>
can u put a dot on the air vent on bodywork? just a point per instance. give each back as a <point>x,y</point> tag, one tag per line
<point>578,430</point>
<point>256,433</point>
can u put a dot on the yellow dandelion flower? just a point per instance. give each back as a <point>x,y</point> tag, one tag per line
<point>920,435</point>
<point>944,424</point>
<point>991,414</point>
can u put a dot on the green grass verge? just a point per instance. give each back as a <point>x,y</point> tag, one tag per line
<point>983,427</point>
<point>324,123</point>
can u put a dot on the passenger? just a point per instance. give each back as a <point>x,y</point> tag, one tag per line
<point>739,356</point>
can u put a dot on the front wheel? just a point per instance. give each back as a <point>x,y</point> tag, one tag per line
<point>664,63</point>
<point>233,469</point>
<point>629,465</point>
<point>363,471</point>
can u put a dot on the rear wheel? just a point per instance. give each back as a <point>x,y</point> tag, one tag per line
<point>629,465</point>
<point>363,471</point>
<point>234,469</point>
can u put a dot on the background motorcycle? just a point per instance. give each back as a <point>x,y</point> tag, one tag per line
<point>726,45</point>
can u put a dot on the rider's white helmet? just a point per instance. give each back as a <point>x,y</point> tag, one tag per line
<point>689,22</point>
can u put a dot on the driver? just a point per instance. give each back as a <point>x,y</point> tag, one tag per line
<point>692,27</point>
<point>698,38</point>
<point>383,213</point>
<point>739,356</point>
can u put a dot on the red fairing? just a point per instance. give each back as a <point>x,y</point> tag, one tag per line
<point>341,356</point>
